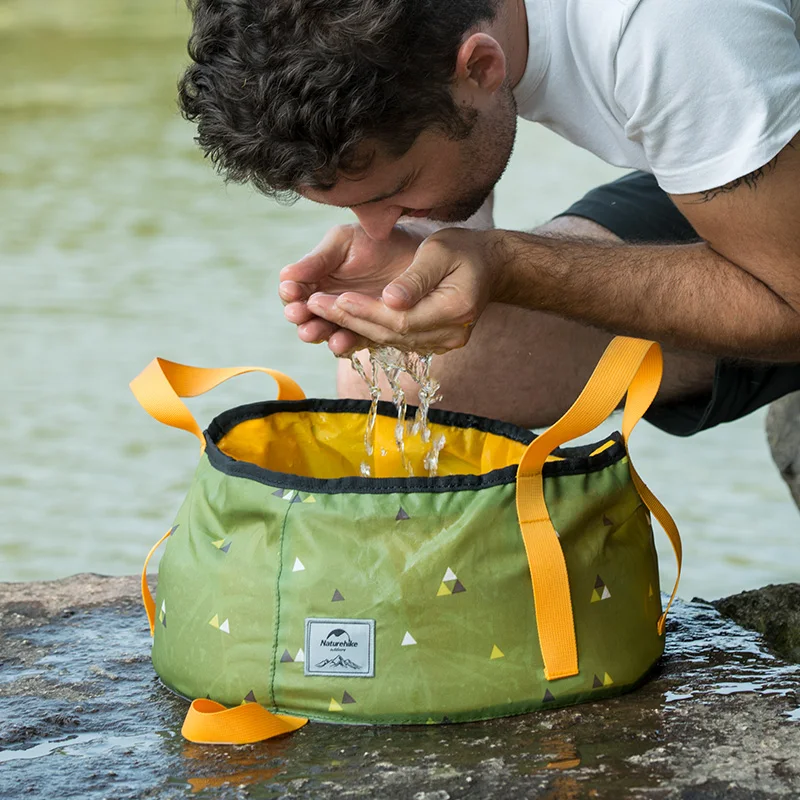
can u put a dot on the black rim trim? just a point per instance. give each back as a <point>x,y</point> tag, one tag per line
<point>577,460</point>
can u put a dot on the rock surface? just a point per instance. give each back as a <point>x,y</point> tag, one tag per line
<point>773,611</point>
<point>783,435</point>
<point>84,716</point>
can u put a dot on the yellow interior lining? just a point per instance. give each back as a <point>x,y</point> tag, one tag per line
<point>316,444</point>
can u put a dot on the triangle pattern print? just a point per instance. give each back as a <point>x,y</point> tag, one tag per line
<point>250,697</point>
<point>334,706</point>
<point>298,566</point>
<point>401,515</point>
<point>300,657</point>
<point>408,639</point>
<point>337,596</point>
<point>223,626</point>
<point>347,698</point>
<point>600,591</point>
<point>286,658</point>
<point>496,653</point>
<point>450,584</point>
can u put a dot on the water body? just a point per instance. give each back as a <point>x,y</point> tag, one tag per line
<point>118,243</point>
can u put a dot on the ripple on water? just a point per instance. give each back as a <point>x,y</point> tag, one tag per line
<point>722,658</point>
<point>82,744</point>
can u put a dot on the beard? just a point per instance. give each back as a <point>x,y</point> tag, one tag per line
<point>487,151</point>
<point>464,207</point>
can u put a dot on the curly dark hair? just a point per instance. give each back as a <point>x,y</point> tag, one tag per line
<point>285,91</point>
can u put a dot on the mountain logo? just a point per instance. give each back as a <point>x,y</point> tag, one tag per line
<point>340,662</point>
<point>342,647</point>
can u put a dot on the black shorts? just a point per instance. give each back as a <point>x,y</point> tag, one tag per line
<point>637,210</point>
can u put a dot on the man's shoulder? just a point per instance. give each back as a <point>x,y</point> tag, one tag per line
<point>589,19</point>
<point>592,29</point>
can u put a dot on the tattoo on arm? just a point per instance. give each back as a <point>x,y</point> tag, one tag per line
<point>750,180</point>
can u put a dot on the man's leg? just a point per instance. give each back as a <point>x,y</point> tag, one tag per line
<point>527,367</point>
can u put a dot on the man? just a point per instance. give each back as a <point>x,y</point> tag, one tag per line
<point>403,109</point>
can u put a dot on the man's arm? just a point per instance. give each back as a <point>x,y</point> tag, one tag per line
<point>738,294</point>
<point>735,295</point>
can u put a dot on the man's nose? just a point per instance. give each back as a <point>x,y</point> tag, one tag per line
<point>378,222</point>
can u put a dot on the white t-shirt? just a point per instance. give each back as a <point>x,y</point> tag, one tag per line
<point>697,92</point>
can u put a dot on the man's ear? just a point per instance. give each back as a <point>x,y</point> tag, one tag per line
<point>480,64</point>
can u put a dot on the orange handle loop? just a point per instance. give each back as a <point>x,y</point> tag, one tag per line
<point>208,722</point>
<point>147,598</point>
<point>161,385</point>
<point>628,365</point>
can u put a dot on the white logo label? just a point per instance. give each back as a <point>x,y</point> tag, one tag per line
<point>340,647</point>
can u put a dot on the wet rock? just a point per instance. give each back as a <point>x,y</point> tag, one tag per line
<point>773,611</point>
<point>48,599</point>
<point>85,717</point>
<point>783,435</point>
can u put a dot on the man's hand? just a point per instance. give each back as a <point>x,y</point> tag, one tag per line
<point>431,307</point>
<point>346,260</point>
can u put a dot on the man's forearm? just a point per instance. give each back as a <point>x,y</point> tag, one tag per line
<point>686,296</point>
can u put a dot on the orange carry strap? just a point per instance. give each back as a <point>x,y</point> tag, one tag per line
<point>641,394</point>
<point>161,385</point>
<point>159,389</point>
<point>208,722</point>
<point>628,365</point>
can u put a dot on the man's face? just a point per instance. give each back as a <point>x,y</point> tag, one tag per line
<point>438,178</point>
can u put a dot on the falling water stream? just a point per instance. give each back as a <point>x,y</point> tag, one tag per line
<point>394,363</point>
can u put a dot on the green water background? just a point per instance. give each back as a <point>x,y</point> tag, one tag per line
<point>118,243</point>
